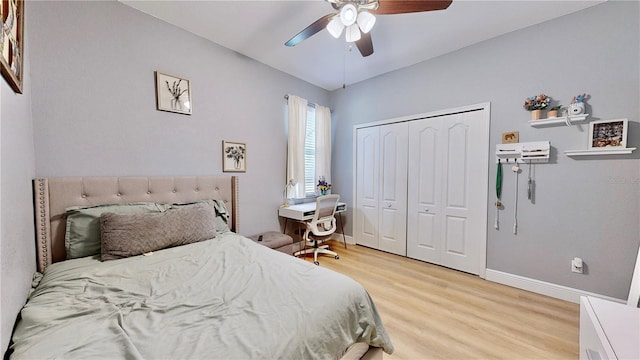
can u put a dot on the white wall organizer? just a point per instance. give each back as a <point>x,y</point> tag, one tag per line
<point>535,152</point>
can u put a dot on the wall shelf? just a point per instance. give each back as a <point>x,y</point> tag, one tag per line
<point>562,120</point>
<point>602,151</point>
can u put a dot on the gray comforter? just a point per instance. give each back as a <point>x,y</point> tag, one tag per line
<point>226,298</point>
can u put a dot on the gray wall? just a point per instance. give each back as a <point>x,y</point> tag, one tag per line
<point>17,244</point>
<point>94,108</point>
<point>588,207</point>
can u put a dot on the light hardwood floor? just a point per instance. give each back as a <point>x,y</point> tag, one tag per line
<point>432,312</point>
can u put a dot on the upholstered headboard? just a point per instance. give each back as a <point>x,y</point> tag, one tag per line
<point>53,195</point>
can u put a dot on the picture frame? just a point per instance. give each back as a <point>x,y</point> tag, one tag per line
<point>173,93</point>
<point>608,133</point>
<point>12,42</point>
<point>511,137</point>
<point>234,156</point>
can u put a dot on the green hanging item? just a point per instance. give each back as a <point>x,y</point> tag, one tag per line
<point>499,181</point>
<point>498,191</point>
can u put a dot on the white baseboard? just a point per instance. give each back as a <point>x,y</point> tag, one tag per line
<point>338,237</point>
<point>542,287</point>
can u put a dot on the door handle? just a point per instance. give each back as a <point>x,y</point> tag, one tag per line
<point>388,205</point>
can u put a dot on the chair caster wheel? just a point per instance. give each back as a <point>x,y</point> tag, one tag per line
<point>317,263</point>
<point>337,257</point>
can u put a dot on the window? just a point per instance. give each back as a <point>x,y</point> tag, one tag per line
<point>310,153</point>
<point>309,146</point>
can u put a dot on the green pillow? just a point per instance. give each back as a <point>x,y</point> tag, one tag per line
<point>82,237</point>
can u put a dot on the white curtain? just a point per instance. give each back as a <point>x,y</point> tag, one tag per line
<point>323,142</point>
<point>295,150</point>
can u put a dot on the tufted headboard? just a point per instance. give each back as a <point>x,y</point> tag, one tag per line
<point>53,195</point>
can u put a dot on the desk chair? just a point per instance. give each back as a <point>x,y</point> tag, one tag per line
<point>320,227</point>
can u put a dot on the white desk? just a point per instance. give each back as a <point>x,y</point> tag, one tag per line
<point>304,212</point>
<point>608,330</point>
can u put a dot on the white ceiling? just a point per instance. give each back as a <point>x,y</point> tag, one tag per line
<point>259,29</point>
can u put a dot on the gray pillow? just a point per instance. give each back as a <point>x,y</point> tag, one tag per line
<point>222,215</point>
<point>135,234</point>
<point>82,236</point>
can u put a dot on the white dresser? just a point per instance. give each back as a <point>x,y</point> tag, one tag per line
<point>608,330</point>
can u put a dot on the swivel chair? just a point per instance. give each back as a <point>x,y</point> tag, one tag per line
<point>320,227</point>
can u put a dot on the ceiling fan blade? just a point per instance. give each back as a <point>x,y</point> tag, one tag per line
<point>365,45</point>
<point>310,30</point>
<point>387,7</point>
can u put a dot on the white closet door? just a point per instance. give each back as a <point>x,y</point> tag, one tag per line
<point>424,204</point>
<point>367,186</point>
<point>465,173</point>
<point>448,190</point>
<point>393,188</point>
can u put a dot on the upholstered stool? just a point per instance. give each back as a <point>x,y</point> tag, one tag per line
<point>275,240</point>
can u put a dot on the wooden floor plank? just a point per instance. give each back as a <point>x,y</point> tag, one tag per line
<point>432,312</point>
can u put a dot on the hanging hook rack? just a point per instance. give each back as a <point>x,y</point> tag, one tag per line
<point>526,152</point>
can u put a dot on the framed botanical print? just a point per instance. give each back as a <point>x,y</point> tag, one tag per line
<point>234,156</point>
<point>12,42</point>
<point>173,93</point>
<point>608,133</point>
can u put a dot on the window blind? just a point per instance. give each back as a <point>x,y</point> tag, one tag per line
<point>310,153</point>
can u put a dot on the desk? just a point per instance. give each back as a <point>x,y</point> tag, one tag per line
<point>304,212</point>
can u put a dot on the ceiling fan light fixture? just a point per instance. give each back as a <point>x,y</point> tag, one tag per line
<point>353,33</point>
<point>366,20</point>
<point>348,14</point>
<point>335,27</point>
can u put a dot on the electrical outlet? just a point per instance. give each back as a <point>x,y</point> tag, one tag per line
<point>576,265</point>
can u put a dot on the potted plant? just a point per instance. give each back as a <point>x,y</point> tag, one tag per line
<point>323,185</point>
<point>535,104</point>
<point>553,112</point>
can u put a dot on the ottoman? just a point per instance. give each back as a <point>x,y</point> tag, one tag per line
<point>275,240</point>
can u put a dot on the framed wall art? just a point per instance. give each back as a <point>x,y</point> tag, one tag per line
<point>510,137</point>
<point>12,42</point>
<point>173,93</point>
<point>608,133</point>
<point>234,156</point>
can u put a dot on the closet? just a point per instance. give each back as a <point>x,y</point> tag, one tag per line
<point>421,187</point>
<point>382,187</point>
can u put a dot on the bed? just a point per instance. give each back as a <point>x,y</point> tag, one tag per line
<point>225,297</point>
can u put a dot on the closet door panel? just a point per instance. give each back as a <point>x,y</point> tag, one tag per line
<point>465,203</point>
<point>427,161</point>
<point>424,190</point>
<point>369,224</point>
<point>367,187</point>
<point>457,165</point>
<point>456,239</point>
<point>393,179</point>
<point>370,167</point>
<point>427,228</point>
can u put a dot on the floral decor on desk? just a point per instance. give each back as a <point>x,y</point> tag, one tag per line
<point>323,185</point>
<point>535,104</point>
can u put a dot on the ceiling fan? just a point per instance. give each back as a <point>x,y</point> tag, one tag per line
<point>356,18</point>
